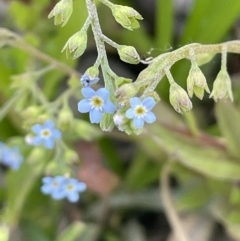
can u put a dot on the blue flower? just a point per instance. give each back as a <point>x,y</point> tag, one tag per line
<point>53,186</point>
<point>72,187</point>
<point>140,111</point>
<point>60,187</point>
<point>45,134</point>
<point>86,80</point>
<point>97,103</point>
<point>11,157</point>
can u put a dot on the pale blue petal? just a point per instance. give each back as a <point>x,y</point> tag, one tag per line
<point>81,186</point>
<point>135,101</point>
<point>58,194</point>
<point>47,180</point>
<point>109,107</point>
<point>95,116</point>
<point>15,165</point>
<point>88,92</point>
<point>94,81</point>
<point>149,103</point>
<point>103,93</point>
<point>56,133</point>
<point>49,143</point>
<point>37,140</point>
<point>48,124</point>
<point>59,179</point>
<point>73,197</point>
<point>37,128</point>
<point>138,122</point>
<point>130,113</point>
<point>150,117</point>
<point>84,106</point>
<point>46,189</point>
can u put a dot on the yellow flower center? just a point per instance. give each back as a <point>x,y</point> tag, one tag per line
<point>45,133</point>
<point>55,184</point>
<point>97,102</point>
<point>140,111</point>
<point>70,187</point>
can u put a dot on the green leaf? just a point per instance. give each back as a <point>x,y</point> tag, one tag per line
<point>72,232</point>
<point>228,120</point>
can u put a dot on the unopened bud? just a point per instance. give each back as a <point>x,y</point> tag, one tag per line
<point>65,118</point>
<point>71,156</point>
<point>119,81</point>
<point>31,113</point>
<point>222,87</point>
<point>90,76</point>
<point>128,54</point>
<point>62,12</point>
<point>126,91</point>
<point>76,45</point>
<point>196,82</point>
<point>126,16</point>
<point>179,98</point>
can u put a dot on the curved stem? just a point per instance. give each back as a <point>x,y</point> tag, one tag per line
<point>170,210</point>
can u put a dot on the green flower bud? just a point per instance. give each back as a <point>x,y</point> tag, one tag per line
<point>76,45</point>
<point>196,82</point>
<point>119,81</point>
<point>92,71</point>
<point>65,118</point>
<point>128,54</point>
<point>70,157</point>
<point>222,88</point>
<point>31,113</point>
<point>107,123</point>
<point>126,16</point>
<point>62,12</point>
<point>125,92</point>
<point>179,98</point>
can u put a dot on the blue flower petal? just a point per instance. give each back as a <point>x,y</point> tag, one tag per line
<point>135,101</point>
<point>46,189</point>
<point>48,124</point>
<point>37,128</point>
<point>103,93</point>
<point>88,92</point>
<point>150,117</point>
<point>109,107</point>
<point>37,140</point>
<point>56,134</point>
<point>95,116</point>
<point>73,197</point>
<point>58,194</point>
<point>149,103</point>
<point>130,113</point>
<point>47,180</point>
<point>49,143</point>
<point>84,106</point>
<point>81,186</point>
<point>138,122</point>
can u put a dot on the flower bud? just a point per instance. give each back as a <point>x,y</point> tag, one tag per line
<point>71,156</point>
<point>179,98</point>
<point>90,76</point>
<point>119,81</point>
<point>126,91</point>
<point>128,54</point>
<point>196,82</point>
<point>31,112</point>
<point>126,16</point>
<point>222,88</point>
<point>76,45</point>
<point>65,118</point>
<point>62,12</point>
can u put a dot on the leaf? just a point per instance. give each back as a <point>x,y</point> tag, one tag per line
<point>228,120</point>
<point>72,232</point>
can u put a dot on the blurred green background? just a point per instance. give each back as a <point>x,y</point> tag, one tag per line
<point>123,200</point>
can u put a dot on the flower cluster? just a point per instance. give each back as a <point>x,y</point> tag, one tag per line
<point>45,134</point>
<point>60,187</point>
<point>10,157</point>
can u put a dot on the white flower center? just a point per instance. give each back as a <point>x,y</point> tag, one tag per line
<point>45,133</point>
<point>97,102</point>
<point>140,111</point>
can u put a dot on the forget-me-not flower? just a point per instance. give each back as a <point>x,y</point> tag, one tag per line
<point>96,103</point>
<point>11,157</point>
<point>72,188</point>
<point>140,111</point>
<point>86,80</point>
<point>45,134</point>
<point>60,187</point>
<point>53,186</point>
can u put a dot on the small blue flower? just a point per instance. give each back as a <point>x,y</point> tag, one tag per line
<point>97,103</point>
<point>60,187</point>
<point>45,134</point>
<point>140,111</point>
<point>11,157</point>
<point>54,187</point>
<point>72,187</point>
<point>86,80</point>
